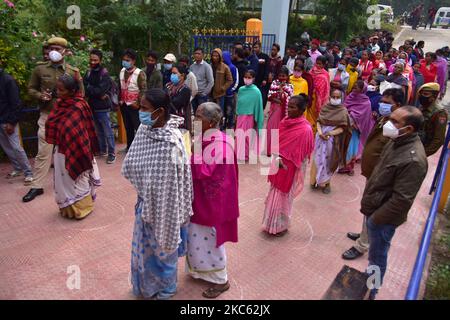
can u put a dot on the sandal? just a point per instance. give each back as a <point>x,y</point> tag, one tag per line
<point>326,189</point>
<point>280,234</point>
<point>214,292</point>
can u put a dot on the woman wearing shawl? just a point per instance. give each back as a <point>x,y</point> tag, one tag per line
<point>279,94</point>
<point>428,67</point>
<point>180,95</point>
<point>70,128</point>
<point>216,206</point>
<point>332,139</point>
<point>287,175</point>
<point>157,165</point>
<point>359,109</point>
<point>250,117</point>
<point>321,93</point>
<point>442,72</point>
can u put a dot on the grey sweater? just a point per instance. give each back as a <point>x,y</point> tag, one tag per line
<point>205,78</point>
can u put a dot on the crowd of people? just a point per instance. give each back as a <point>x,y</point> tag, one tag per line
<point>326,104</point>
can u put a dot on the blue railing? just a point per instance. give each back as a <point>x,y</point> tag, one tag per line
<point>416,277</point>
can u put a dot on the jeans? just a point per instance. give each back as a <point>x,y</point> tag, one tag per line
<point>380,237</point>
<point>198,100</point>
<point>230,111</point>
<point>10,144</point>
<point>131,122</point>
<point>104,132</point>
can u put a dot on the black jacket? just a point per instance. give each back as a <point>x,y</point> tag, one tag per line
<point>242,68</point>
<point>97,83</point>
<point>263,69</point>
<point>9,99</point>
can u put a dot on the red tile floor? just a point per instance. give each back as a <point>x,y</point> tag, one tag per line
<point>37,246</point>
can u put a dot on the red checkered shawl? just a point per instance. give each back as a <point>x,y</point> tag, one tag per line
<point>70,126</point>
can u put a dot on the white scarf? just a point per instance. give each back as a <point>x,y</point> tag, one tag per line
<point>157,165</point>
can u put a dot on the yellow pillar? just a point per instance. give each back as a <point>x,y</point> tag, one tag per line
<point>254,27</point>
<point>446,187</point>
<point>122,133</point>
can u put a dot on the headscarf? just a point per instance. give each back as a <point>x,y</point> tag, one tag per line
<point>70,126</point>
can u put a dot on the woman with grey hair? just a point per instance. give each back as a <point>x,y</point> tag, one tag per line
<point>216,206</point>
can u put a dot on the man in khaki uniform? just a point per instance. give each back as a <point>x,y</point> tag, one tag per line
<point>42,87</point>
<point>435,125</point>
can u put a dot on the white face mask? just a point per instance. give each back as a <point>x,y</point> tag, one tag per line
<point>371,88</point>
<point>55,56</point>
<point>335,102</point>
<point>391,131</point>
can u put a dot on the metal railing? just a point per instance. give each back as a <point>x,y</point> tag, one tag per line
<point>416,277</point>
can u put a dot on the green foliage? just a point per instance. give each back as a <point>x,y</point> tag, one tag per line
<point>438,284</point>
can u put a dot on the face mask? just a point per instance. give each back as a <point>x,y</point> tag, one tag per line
<point>341,67</point>
<point>335,102</point>
<point>167,66</point>
<point>248,81</point>
<point>424,101</point>
<point>371,88</point>
<point>174,79</point>
<point>385,109</point>
<point>391,131</point>
<point>55,56</point>
<point>322,48</point>
<point>146,118</point>
<point>126,64</point>
<point>297,74</point>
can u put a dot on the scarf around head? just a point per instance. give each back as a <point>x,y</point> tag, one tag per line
<point>70,126</point>
<point>360,109</point>
<point>157,165</point>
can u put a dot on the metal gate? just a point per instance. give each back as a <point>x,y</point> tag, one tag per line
<point>209,39</point>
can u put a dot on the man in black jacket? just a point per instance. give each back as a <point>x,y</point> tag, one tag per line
<point>241,64</point>
<point>97,83</point>
<point>263,71</point>
<point>9,130</point>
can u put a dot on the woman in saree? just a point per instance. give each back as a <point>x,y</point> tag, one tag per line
<point>332,139</point>
<point>216,206</point>
<point>250,117</point>
<point>70,128</point>
<point>157,165</point>
<point>279,94</point>
<point>321,93</point>
<point>361,119</point>
<point>287,174</point>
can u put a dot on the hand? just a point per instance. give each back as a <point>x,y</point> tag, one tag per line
<point>46,96</point>
<point>324,137</point>
<point>9,129</point>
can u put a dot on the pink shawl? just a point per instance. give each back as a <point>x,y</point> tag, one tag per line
<point>215,179</point>
<point>321,80</point>
<point>441,64</point>
<point>359,108</point>
<point>296,144</point>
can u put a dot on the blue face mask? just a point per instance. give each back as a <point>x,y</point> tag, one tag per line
<point>167,66</point>
<point>126,64</point>
<point>385,109</point>
<point>341,67</point>
<point>146,118</point>
<point>322,48</point>
<point>174,79</point>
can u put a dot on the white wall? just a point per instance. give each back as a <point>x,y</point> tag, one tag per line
<point>275,15</point>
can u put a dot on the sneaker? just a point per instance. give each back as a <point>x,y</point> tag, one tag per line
<point>111,159</point>
<point>101,154</point>
<point>28,180</point>
<point>14,174</point>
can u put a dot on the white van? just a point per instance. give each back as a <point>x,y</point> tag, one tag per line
<point>442,18</point>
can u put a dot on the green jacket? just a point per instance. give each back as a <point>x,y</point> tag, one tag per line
<point>395,181</point>
<point>155,80</point>
<point>44,77</point>
<point>434,128</point>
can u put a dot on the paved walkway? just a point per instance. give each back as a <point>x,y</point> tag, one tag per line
<point>37,246</point>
